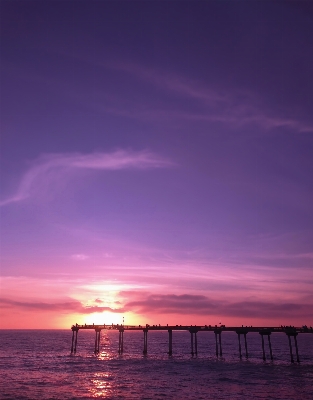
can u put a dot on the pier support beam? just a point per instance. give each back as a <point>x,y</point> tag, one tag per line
<point>270,346</point>
<point>266,332</point>
<point>242,331</point>
<point>218,343</point>
<point>72,347</point>
<point>170,342</point>
<point>296,346</point>
<point>194,343</point>
<point>264,358</point>
<point>97,341</point>
<point>145,341</point>
<point>240,355</point>
<point>292,332</point>
<point>246,347</point>
<point>191,337</point>
<point>121,341</point>
<point>290,348</point>
<point>74,339</point>
<point>75,347</point>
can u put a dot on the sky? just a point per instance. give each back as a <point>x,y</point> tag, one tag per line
<point>156,163</point>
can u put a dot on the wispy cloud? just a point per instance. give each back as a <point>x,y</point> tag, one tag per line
<point>229,106</point>
<point>79,257</point>
<point>205,102</point>
<point>49,165</point>
<point>144,303</point>
<point>188,304</point>
<point>174,83</point>
<point>71,306</point>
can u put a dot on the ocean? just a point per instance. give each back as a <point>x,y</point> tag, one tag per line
<point>37,364</point>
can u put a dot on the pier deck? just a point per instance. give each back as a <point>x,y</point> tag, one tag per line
<point>264,331</point>
<point>198,328</point>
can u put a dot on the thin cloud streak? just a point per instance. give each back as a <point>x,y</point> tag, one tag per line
<point>239,108</point>
<point>65,307</point>
<point>173,83</point>
<point>144,303</point>
<point>234,108</point>
<point>186,304</point>
<point>61,164</point>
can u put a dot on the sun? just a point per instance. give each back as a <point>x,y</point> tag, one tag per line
<point>102,318</point>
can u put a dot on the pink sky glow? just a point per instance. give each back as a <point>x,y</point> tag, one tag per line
<point>156,173</point>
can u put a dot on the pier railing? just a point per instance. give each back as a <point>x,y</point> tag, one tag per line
<point>290,331</point>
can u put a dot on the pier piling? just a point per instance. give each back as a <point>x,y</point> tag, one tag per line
<point>216,345</point>
<point>266,331</point>
<point>246,347</point>
<point>97,341</point>
<point>296,346</point>
<point>264,358</point>
<point>292,331</point>
<point>72,347</point>
<point>145,341</point>
<point>75,345</point>
<point>191,337</point>
<point>121,341</point>
<point>290,348</point>
<point>194,343</point>
<point>239,346</point>
<point>170,342</point>
<point>270,346</point>
<point>220,341</point>
<point>242,331</point>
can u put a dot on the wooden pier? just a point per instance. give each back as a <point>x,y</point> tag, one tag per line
<point>290,331</point>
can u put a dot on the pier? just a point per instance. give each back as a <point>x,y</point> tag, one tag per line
<point>289,331</point>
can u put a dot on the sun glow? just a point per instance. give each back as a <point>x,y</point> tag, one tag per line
<point>109,318</point>
<point>105,317</point>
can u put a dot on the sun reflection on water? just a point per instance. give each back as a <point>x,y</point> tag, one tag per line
<point>104,355</point>
<point>105,348</point>
<point>101,385</point>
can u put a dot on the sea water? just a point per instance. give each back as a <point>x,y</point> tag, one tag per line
<point>37,364</point>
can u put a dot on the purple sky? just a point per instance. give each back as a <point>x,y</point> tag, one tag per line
<point>156,162</point>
